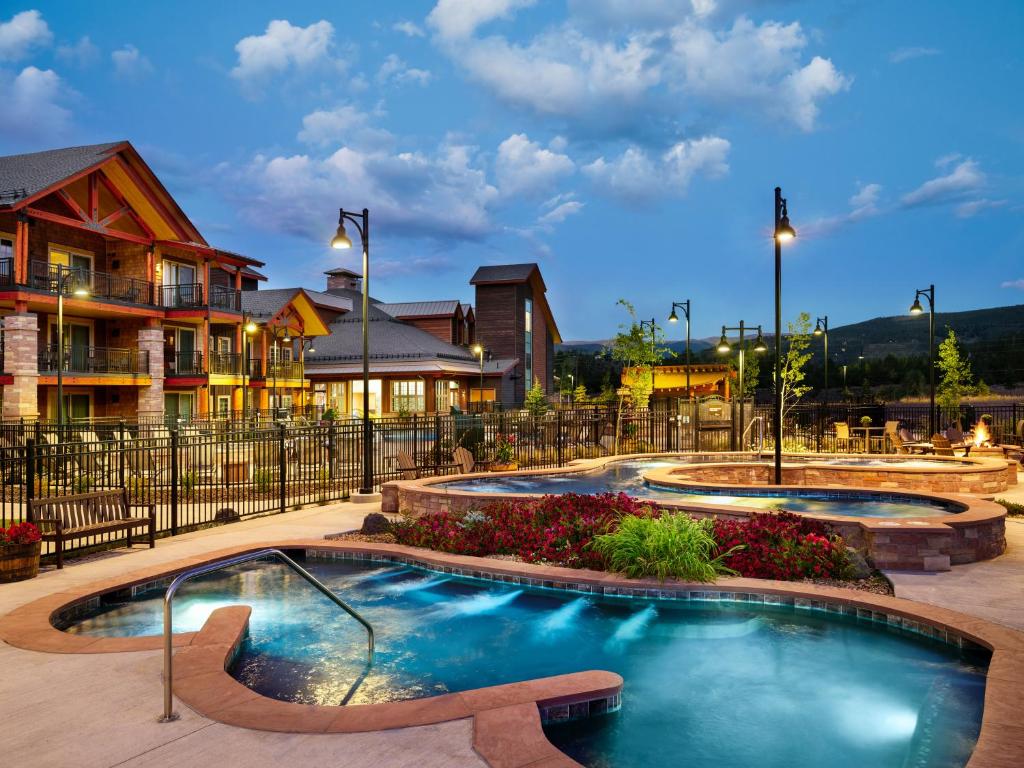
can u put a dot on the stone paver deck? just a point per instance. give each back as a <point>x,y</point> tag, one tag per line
<point>100,710</point>
<point>992,589</point>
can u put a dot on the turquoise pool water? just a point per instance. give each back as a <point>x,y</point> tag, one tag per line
<point>709,684</point>
<point>627,477</point>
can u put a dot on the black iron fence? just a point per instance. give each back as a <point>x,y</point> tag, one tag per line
<point>182,296</point>
<point>93,360</point>
<point>53,278</point>
<point>218,470</point>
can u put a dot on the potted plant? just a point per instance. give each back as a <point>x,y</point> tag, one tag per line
<point>328,416</point>
<point>19,552</point>
<point>865,421</point>
<point>504,453</point>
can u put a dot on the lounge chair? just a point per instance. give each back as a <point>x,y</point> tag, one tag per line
<point>958,439</point>
<point>845,440</point>
<point>464,460</point>
<point>410,471</point>
<point>910,445</point>
<point>942,446</point>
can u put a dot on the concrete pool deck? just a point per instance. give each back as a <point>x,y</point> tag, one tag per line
<point>100,709</point>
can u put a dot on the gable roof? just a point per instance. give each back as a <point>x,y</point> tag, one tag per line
<point>409,309</point>
<point>505,273</point>
<point>266,305</point>
<point>25,176</point>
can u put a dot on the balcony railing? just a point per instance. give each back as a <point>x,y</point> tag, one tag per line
<point>225,298</point>
<point>182,296</point>
<point>94,360</point>
<point>255,368</point>
<point>226,363</point>
<point>44,276</point>
<point>284,369</point>
<point>6,272</point>
<point>183,363</point>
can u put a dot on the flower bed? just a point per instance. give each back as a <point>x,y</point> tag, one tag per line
<point>561,530</point>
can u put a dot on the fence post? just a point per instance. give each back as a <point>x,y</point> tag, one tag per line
<point>437,439</point>
<point>174,481</point>
<point>120,457</point>
<point>668,430</point>
<point>30,477</point>
<point>282,468</point>
<point>558,435</point>
<point>330,450</point>
<point>821,426</point>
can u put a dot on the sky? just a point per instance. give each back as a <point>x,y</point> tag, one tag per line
<point>629,147</point>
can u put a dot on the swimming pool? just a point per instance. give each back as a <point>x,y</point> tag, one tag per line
<point>628,477</point>
<point>711,684</point>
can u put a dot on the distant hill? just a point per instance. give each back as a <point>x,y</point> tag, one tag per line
<point>907,335</point>
<point>589,347</point>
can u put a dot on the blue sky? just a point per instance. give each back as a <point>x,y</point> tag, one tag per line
<point>629,146</point>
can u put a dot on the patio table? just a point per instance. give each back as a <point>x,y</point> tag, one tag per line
<point>867,435</point>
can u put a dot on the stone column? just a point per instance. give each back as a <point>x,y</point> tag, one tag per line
<point>151,398</point>
<point>21,361</point>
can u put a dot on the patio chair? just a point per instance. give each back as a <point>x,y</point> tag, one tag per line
<point>958,439</point>
<point>891,430</point>
<point>464,460</point>
<point>411,471</point>
<point>608,444</point>
<point>845,440</point>
<point>942,446</point>
<point>911,445</point>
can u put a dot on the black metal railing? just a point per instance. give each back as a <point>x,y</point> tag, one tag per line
<point>284,369</point>
<point>44,276</point>
<point>225,298</point>
<point>226,363</point>
<point>182,296</point>
<point>255,368</point>
<point>94,360</point>
<point>183,363</point>
<point>6,272</point>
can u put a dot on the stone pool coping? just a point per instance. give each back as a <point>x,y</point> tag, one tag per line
<point>926,543</point>
<point>507,722</point>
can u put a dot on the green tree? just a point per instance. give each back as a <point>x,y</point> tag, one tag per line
<point>636,349</point>
<point>956,377</point>
<point>579,395</point>
<point>536,401</point>
<point>794,361</point>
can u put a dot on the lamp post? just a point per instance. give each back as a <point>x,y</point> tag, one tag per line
<point>674,318</point>
<point>63,276</point>
<point>724,348</point>
<point>341,241</point>
<point>821,329</point>
<point>782,233</point>
<point>917,309</point>
<point>305,345</point>
<point>478,350</point>
<point>248,329</point>
<point>275,363</point>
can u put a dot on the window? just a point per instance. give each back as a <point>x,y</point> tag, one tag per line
<point>356,402</point>
<point>79,261</point>
<point>77,406</point>
<point>528,343</point>
<point>223,406</point>
<point>6,246</point>
<point>177,407</point>
<point>408,396</point>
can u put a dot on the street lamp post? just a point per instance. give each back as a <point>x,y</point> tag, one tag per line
<point>783,232</point>
<point>724,348</point>
<point>917,309</point>
<point>305,345</point>
<point>248,329</point>
<point>674,318</point>
<point>821,329</point>
<point>80,291</point>
<point>341,241</point>
<point>478,350</point>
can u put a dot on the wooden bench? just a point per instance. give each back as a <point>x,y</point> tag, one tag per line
<point>61,518</point>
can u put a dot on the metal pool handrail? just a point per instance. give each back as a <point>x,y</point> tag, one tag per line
<point>169,713</point>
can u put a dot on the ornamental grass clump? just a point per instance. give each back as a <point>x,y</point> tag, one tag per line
<point>672,546</point>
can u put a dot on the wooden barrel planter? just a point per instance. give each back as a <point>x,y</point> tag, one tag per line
<point>19,561</point>
<point>509,466</point>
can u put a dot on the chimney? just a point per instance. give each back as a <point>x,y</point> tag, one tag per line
<point>344,279</point>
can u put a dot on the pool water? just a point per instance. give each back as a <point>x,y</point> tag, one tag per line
<point>627,477</point>
<point>709,684</point>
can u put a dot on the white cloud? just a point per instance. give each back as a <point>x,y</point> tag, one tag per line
<point>23,32</point>
<point>974,207</point>
<point>130,64</point>
<point>1013,284</point>
<point>964,179</point>
<point>283,48</point>
<point>31,105</point>
<point>865,201</point>
<point>408,28</point>
<point>560,213</point>
<point>344,124</point>
<point>864,204</point>
<point>443,194</point>
<point>524,167</point>
<point>619,75</point>
<point>395,70</point>
<point>82,54</point>
<point>912,52</point>
<point>458,19</point>
<point>636,176</point>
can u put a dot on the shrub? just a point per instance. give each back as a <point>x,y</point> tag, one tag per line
<point>41,486</point>
<point>262,479</point>
<point>781,546</point>
<point>1012,508</point>
<point>137,486</point>
<point>82,483</point>
<point>670,546</point>
<point>187,482</point>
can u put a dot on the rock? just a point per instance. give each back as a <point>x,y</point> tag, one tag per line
<point>375,523</point>
<point>859,567</point>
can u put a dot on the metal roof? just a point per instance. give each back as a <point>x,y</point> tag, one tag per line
<point>421,308</point>
<point>22,176</point>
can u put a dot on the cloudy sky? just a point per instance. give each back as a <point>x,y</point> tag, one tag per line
<point>629,146</point>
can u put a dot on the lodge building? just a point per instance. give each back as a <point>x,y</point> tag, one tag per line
<point>157,322</point>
